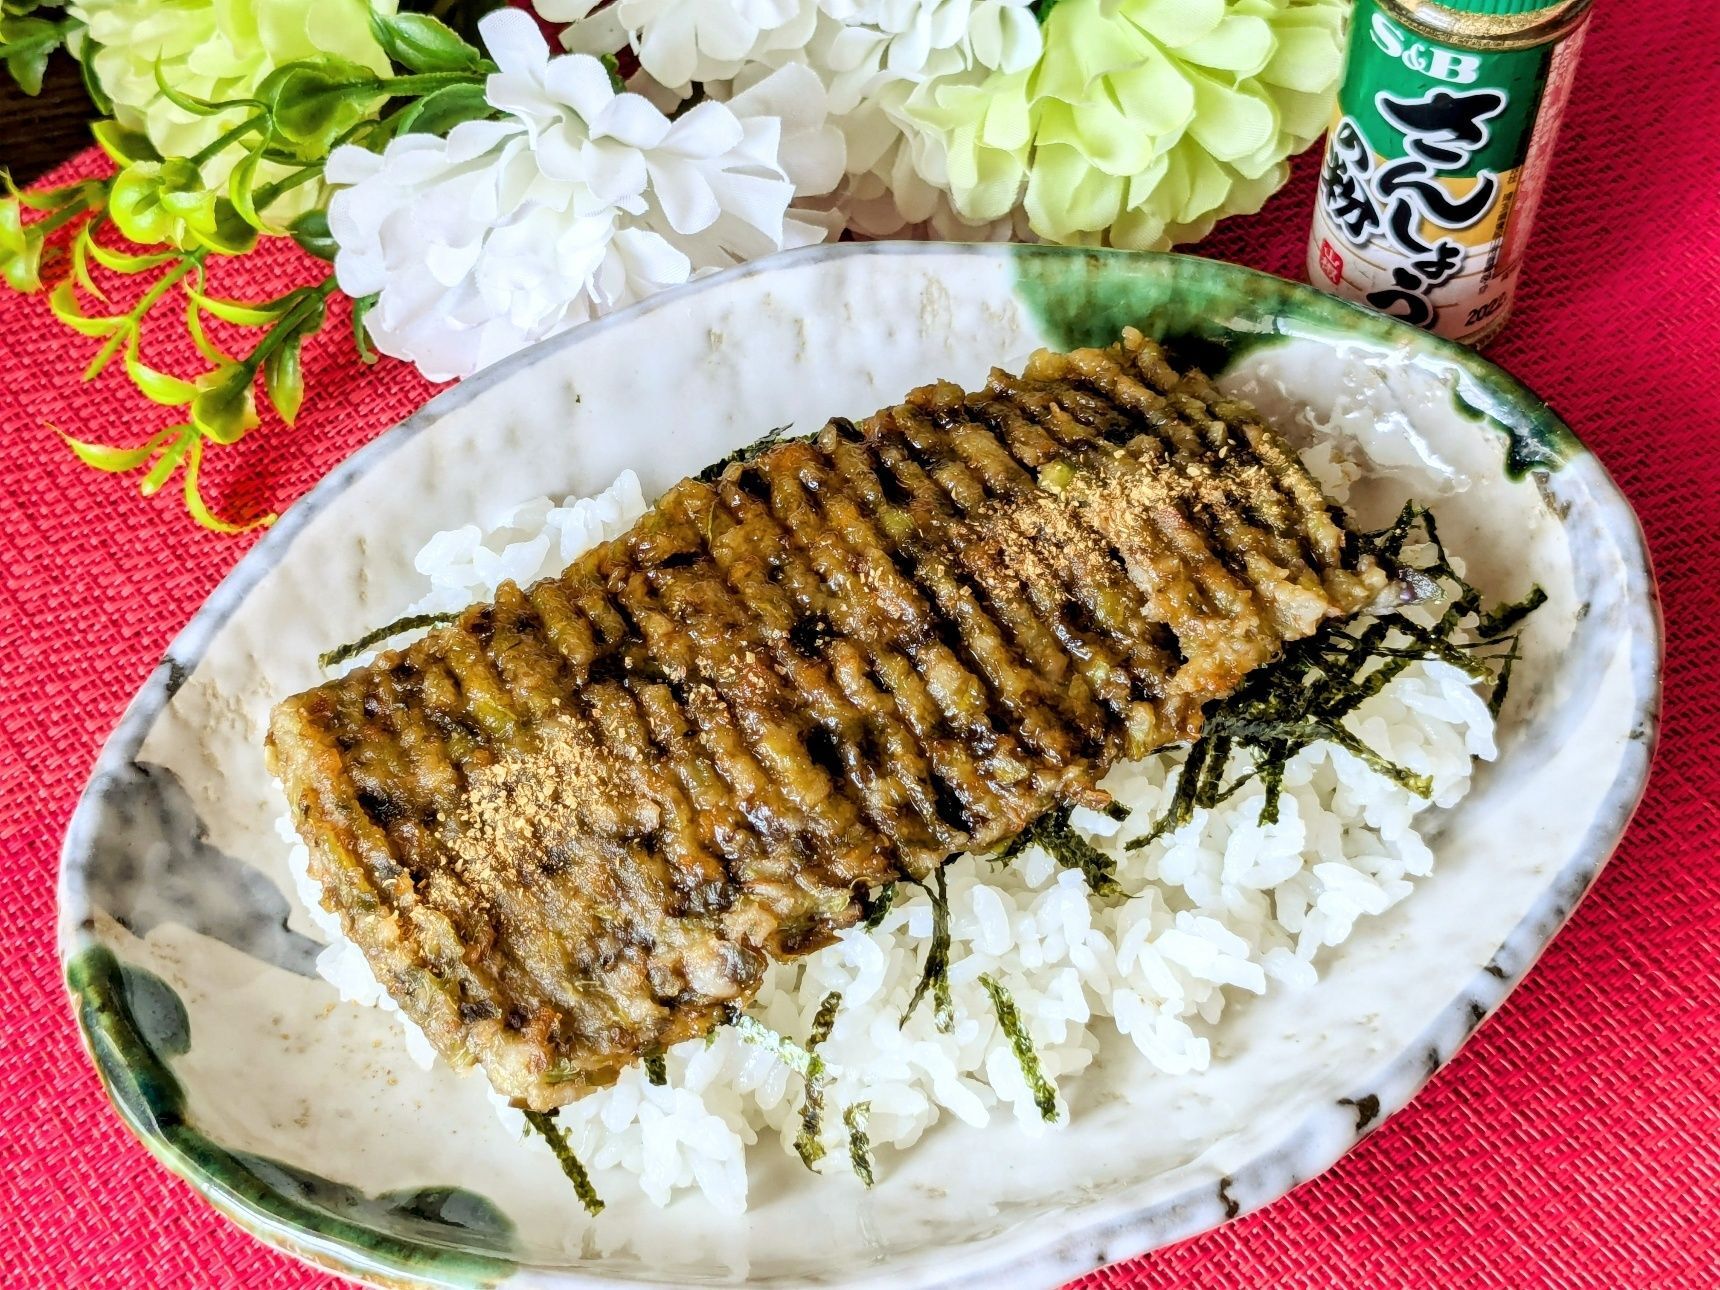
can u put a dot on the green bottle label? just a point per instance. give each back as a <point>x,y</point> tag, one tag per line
<point>1490,95</point>
<point>1431,170</point>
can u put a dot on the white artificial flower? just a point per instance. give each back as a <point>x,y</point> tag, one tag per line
<point>886,192</point>
<point>811,148</point>
<point>578,201</point>
<point>870,55</point>
<point>866,43</point>
<point>874,54</point>
<point>683,41</point>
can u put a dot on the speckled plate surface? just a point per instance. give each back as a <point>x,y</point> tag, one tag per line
<point>189,960</point>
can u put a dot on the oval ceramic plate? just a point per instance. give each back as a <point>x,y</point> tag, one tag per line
<point>189,961</point>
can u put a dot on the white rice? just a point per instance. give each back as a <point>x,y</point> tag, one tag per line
<point>1226,905</point>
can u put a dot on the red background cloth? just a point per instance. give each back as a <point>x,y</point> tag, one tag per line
<point>1575,1142</point>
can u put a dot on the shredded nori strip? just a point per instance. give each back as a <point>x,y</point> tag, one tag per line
<point>804,1063</point>
<point>936,973</point>
<point>824,1020</point>
<point>412,622</point>
<point>1064,844</point>
<point>859,1145</point>
<point>1304,697</point>
<point>806,1142</point>
<point>1044,1095</point>
<point>875,905</point>
<point>1118,812</point>
<point>1507,661</point>
<point>768,439</point>
<point>550,1132</point>
<point>1494,623</point>
<point>655,1069</point>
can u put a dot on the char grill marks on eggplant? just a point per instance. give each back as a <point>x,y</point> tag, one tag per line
<point>576,824</point>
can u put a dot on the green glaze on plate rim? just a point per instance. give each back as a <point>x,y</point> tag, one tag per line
<point>128,1016</point>
<point>1210,309</point>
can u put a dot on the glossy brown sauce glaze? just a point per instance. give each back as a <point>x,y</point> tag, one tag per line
<point>575,825</point>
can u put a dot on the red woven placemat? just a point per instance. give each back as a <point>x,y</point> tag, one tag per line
<point>1575,1142</point>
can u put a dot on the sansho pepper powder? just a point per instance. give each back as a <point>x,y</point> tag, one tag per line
<point>1438,156</point>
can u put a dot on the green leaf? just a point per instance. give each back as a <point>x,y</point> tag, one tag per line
<point>81,245</point>
<point>311,232</point>
<point>120,262</point>
<point>201,512</point>
<point>47,199</point>
<point>440,112</point>
<point>196,106</point>
<point>116,460</point>
<point>199,337</point>
<point>313,101</point>
<point>259,314</point>
<point>20,250</point>
<point>156,386</point>
<point>63,304</point>
<point>124,146</point>
<point>169,461</point>
<point>225,407</point>
<point>26,44</point>
<point>283,380</point>
<point>421,43</point>
<point>361,307</point>
<point>28,66</point>
<point>239,185</point>
<point>398,122</point>
<point>85,51</point>
<point>224,230</point>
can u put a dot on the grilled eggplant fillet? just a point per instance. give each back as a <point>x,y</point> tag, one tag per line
<point>574,826</point>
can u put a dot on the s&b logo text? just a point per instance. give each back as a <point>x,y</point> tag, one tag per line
<point>1430,60</point>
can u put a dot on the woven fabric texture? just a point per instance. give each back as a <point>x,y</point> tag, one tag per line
<point>1575,1141</point>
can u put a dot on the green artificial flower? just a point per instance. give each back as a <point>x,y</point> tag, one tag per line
<point>1144,121</point>
<point>215,51</point>
<point>168,201</point>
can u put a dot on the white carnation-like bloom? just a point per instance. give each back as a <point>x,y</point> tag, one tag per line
<point>875,54</point>
<point>683,41</point>
<point>886,192</point>
<point>579,200</point>
<point>863,44</point>
<point>870,54</point>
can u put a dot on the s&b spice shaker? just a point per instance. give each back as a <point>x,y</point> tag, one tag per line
<point>1439,153</point>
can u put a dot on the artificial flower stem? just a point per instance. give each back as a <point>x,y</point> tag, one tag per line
<point>271,192</point>
<point>422,83</point>
<point>66,214</point>
<point>232,136</point>
<point>162,285</point>
<point>288,325</point>
<point>148,301</point>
